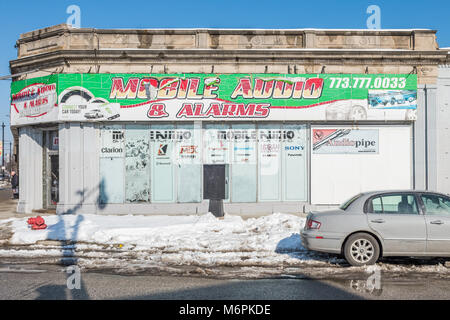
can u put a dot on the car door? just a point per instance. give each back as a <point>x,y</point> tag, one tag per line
<point>396,217</point>
<point>437,218</point>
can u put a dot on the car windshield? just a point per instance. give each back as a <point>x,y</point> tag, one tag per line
<point>347,203</point>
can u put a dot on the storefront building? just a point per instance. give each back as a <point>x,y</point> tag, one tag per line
<point>161,121</point>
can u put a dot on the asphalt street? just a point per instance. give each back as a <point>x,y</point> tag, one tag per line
<point>30,282</point>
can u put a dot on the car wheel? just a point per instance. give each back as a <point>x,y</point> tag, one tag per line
<point>361,249</point>
<point>358,113</point>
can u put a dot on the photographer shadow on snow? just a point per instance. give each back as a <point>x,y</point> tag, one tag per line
<point>292,246</point>
<point>66,232</point>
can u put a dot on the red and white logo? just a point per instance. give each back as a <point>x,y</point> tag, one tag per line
<point>34,100</point>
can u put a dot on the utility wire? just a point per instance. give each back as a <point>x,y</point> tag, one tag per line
<point>17,74</point>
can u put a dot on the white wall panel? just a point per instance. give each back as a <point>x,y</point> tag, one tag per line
<point>337,177</point>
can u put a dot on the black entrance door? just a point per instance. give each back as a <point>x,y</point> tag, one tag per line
<point>54,180</point>
<point>51,169</point>
<point>214,181</point>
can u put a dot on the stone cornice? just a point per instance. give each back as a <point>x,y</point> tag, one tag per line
<point>61,48</point>
<point>63,57</point>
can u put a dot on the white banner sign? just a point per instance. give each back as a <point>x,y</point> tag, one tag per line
<point>345,141</point>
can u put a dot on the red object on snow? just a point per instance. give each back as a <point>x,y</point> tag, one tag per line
<point>37,223</point>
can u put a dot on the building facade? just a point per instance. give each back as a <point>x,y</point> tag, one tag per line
<point>162,121</point>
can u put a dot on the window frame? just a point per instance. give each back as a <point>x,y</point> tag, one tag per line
<point>422,205</point>
<point>344,206</point>
<point>368,209</point>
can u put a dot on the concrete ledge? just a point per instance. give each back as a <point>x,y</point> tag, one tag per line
<point>67,38</point>
<point>240,209</point>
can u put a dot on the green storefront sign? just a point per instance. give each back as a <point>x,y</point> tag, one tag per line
<point>140,97</point>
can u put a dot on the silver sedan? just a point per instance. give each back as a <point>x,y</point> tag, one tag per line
<point>379,224</point>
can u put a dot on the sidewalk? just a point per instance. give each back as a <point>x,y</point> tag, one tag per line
<point>8,205</point>
<point>101,241</point>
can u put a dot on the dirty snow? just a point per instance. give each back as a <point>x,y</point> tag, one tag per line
<point>264,246</point>
<point>178,233</point>
<point>143,242</point>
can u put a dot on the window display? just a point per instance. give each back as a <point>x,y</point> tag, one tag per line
<point>217,148</point>
<point>112,164</point>
<point>294,163</point>
<point>244,168</point>
<point>189,163</point>
<point>269,162</point>
<point>162,174</point>
<point>163,163</point>
<point>137,163</point>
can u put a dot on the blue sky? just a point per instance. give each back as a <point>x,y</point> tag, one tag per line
<point>20,16</point>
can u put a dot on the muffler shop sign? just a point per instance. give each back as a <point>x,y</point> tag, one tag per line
<point>345,141</point>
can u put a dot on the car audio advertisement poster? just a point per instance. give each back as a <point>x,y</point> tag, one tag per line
<point>345,141</point>
<point>215,97</point>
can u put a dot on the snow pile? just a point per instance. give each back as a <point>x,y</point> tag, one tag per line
<point>271,241</point>
<point>257,247</point>
<point>203,233</point>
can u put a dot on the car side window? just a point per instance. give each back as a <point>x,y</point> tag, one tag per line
<point>377,206</point>
<point>395,204</point>
<point>436,205</point>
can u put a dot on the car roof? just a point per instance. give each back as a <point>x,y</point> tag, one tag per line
<point>375,192</point>
<point>364,196</point>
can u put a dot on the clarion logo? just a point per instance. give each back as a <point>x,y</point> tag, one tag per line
<point>112,150</point>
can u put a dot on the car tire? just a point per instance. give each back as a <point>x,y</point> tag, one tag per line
<point>361,249</point>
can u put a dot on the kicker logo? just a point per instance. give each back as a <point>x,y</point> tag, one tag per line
<point>162,151</point>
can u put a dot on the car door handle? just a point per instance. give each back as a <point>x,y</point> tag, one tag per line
<point>378,221</point>
<point>436,222</point>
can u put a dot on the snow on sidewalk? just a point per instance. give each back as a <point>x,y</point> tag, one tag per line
<point>274,232</point>
<point>204,240</point>
<point>265,245</point>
